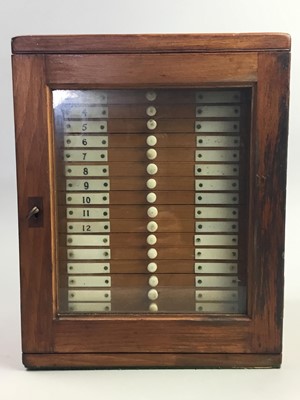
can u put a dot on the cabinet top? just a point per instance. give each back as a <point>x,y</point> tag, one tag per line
<point>154,43</point>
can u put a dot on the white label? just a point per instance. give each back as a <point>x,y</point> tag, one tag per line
<point>85,141</point>
<point>216,184</point>
<point>89,307</point>
<point>87,213</point>
<point>209,96</point>
<point>88,227</point>
<point>217,155</point>
<point>87,199</point>
<point>216,240</point>
<point>85,126</point>
<point>87,184</point>
<point>87,170</point>
<point>216,212</point>
<point>87,240</point>
<point>88,268</point>
<point>216,281</point>
<point>217,126</point>
<point>216,170</point>
<point>89,295</point>
<point>88,254</point>
<point>89,281</point>
<point>216,226</point>
<point>85,155</point>
<point>216,254</point>
<point>215,268</point>
<point>216,295</point>
<point>218,141</point>
<point>217,308</point>
<point>216,198</point>
<point>217,111</point>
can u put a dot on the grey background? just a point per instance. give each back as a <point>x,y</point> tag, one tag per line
<point>132,16</point>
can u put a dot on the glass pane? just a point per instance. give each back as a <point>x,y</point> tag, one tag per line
<point>152,200</point>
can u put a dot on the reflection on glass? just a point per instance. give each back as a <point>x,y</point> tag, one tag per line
<point>151,199</point>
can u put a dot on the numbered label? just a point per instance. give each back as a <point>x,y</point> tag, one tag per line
<point>85,141</point>
<point>89,199</point>
<point>87,184</point>
<point>85,155</point>
<point>87,170</point>
<point>87,213</point>
<point>85,126</point>
<point>85,112</point>
<point>89,227</point>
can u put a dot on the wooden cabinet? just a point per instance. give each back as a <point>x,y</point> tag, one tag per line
<point>151,182</point>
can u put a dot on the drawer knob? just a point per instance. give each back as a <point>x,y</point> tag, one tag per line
<point>151,140</point>
<point>151,95</point>
<point>151,124</point>
<point>152,253</point>
<point>151,197</point>
<point>153,294</point>
<point>153,307</point>
<point>151,239</point>
<point>152,267</point>
<point>153,281</point>
<point>151,183</point>
<point>151,154</point>
<point>152,169</point>
<point>152,226</point>
<point>151,111</point>
<point>152,212</point>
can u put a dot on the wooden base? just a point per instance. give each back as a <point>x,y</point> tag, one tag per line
<point>146,360</point>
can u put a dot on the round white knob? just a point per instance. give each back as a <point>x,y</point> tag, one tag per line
<point>153,307</point>
<point>152,212</point>
<point>153,281</point>
<point>152,294</point>
<point>152,267</point>
<point>151,124</point>
<point>151,183</point>
<point>151,154</point>
<point>151,111</point>
<point>151,95</point>
<point>151,140</point>
<point>152,169</point>
<point>151,197</point>
<point>152,253</point>
<point>152,226</point>
<point>151,239</point>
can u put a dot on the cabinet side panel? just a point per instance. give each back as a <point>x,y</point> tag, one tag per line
<point>269,201</point>
<point>30,101</point>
